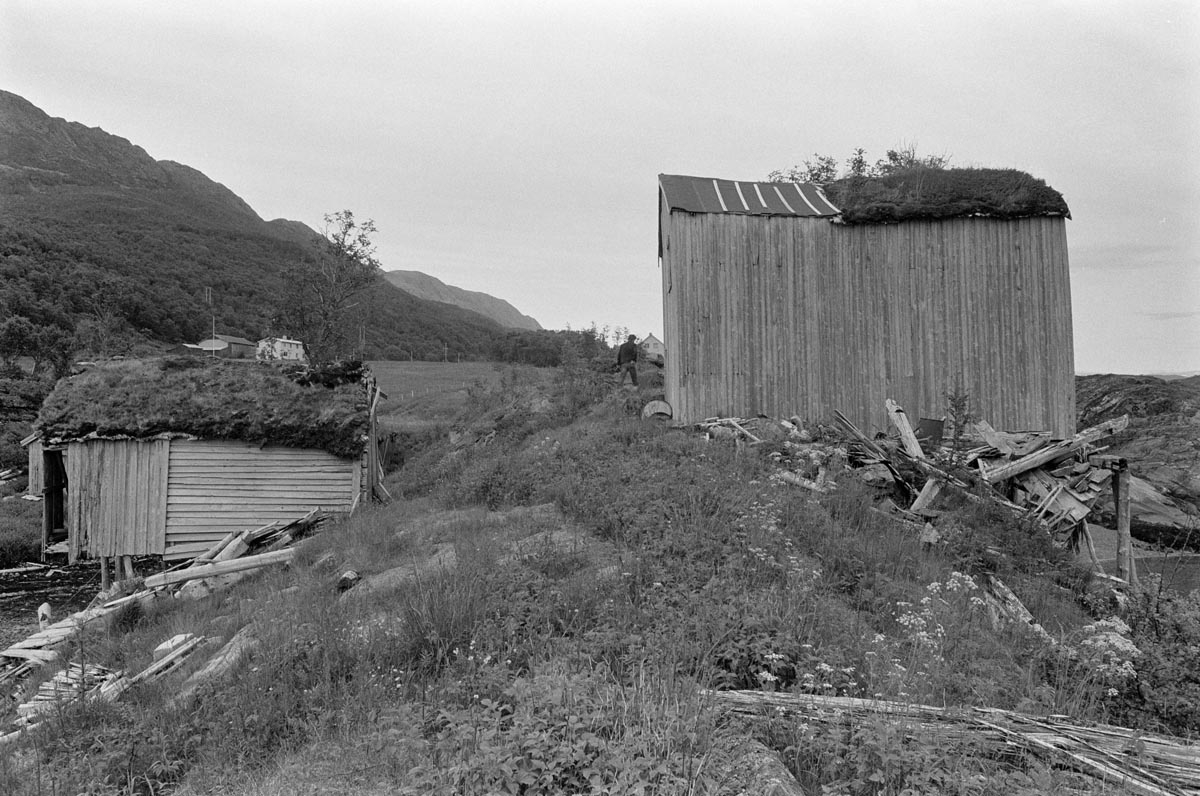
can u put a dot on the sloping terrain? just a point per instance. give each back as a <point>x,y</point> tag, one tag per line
<point>562,600</point>
<point>1162,442</point>
<point>430,287</point>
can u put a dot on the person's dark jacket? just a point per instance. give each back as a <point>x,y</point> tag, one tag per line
<point>628,352</point>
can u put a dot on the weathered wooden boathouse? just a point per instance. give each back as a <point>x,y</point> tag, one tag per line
<point>792,299</point>
<point>167,456</point>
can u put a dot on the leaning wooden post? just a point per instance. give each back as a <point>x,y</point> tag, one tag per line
<point>1126,566</point>
<point>104,573</point>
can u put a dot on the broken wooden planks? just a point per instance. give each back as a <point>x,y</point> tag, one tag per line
<point>1057,451</point>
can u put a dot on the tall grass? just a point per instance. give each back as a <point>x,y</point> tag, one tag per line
<point>567,649</point>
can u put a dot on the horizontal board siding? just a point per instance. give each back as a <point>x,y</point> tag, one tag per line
<point>215,487</point>
<point>786,316</point>
<point>116,497</point>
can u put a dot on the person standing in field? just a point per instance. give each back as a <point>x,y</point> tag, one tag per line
<point>627,356</point>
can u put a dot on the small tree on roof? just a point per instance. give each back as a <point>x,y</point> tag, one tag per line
<point>320,290</point>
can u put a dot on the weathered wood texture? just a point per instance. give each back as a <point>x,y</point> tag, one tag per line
<point>36,480</point>
<point>783,316</point>
<point>116,497</point>
<point>218,486</point>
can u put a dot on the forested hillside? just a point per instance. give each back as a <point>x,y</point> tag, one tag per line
<point>104,250</point>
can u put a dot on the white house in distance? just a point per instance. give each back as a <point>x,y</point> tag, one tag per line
<point>281,348</point>
<point>654,348</point>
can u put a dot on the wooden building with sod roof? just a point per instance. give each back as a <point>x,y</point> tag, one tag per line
<point>792,299</point>
<point>167,456</point>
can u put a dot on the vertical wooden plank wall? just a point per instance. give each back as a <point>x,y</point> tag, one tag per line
<point>116,498</point>
<point>36,480</point>
<point>783,316</point>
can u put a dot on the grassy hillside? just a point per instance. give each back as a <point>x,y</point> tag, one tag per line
<point>560,583</point>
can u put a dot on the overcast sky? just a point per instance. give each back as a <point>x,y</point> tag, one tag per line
<point>513,147</point>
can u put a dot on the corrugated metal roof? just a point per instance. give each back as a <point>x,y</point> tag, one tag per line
<point>708,195</point>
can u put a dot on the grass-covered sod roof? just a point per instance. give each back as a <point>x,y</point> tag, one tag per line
<point>209,399</point>
<point>930,194</point>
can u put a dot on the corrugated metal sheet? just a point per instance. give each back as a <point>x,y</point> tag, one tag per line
<point>708,195</point>
<point>116,497</point>
<point>218,486</point>
<point>799,316</point>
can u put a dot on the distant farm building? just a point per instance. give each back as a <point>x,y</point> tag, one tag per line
<point>786,299</point>
<point>227,346</point>
<point>166,457</point>
<point>282,349</point>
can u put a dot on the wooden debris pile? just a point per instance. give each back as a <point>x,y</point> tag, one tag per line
<point>236,555</point>
<point>1135,761</point>
<point>82,681</point>
<point>1060,482</point>
<point>231,559</point>
<point>76,681</point>
<point>1057,482</point>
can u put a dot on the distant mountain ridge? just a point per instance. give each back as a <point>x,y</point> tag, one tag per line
<point>100,242</point>
<point>429,287</point>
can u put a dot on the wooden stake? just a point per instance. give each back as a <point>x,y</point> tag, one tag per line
<point>1126,566</point>
<point>127,567</point>
<point>104,580</point>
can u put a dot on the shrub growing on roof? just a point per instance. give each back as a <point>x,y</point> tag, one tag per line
<point>211,399</point>
<point>927,194</point>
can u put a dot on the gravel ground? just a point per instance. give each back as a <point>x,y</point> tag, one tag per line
<point>66,588</point>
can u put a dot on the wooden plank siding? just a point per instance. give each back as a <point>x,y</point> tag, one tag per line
<point>218,486</point>
<point>36,480</point>
<point>783,316</point>
<point>116,497</point>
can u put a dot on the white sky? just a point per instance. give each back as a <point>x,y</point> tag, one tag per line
<point>513,147</point>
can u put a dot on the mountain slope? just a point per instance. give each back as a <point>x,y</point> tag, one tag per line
<point>429,287</point>
<point>104,246</point>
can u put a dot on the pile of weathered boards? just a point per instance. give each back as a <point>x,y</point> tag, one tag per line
<point>1058,482</point>
<point>232,558</point>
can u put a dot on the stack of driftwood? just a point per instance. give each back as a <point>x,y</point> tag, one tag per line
<point>1139,763</point>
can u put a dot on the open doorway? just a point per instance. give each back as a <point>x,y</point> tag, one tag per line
<point>54,497</point>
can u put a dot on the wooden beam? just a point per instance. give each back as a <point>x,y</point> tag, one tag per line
<point>221,568</point>
<point>928,493</point>
<point>1052,452</point>
<point>907,437</point>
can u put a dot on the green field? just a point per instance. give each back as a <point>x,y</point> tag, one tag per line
<point>423,393</point>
